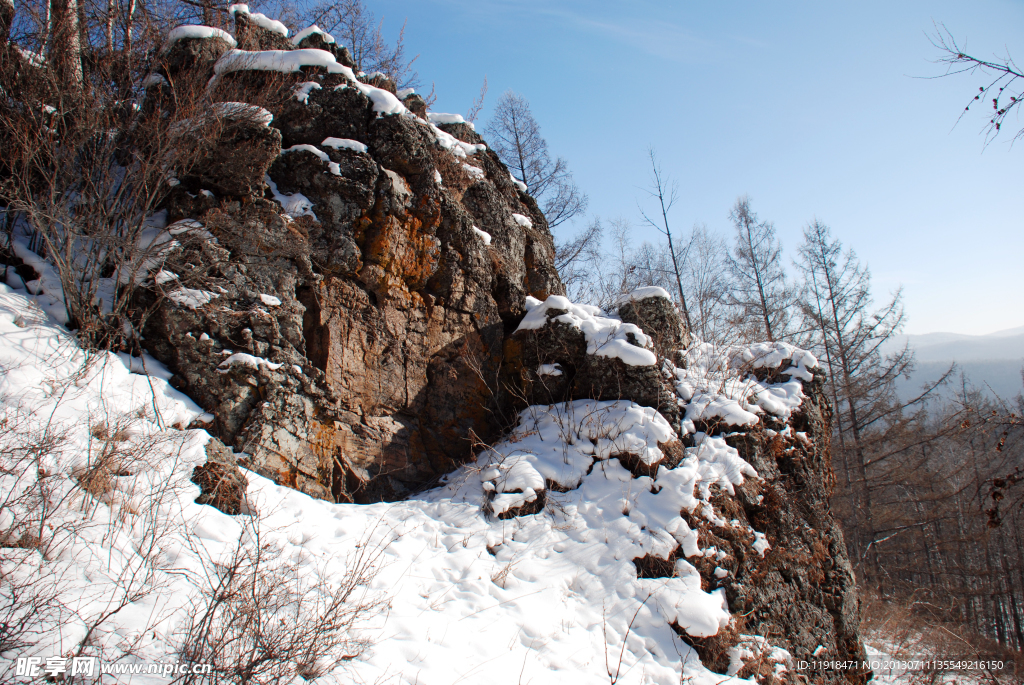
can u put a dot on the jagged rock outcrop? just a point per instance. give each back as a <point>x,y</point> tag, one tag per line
<point>791,580</point>
<point>363,299</point>
<point>801,591</point>
<point>564,352</point>
<point>399,255</point>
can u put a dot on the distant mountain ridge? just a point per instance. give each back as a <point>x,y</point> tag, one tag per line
<point>991,362</point>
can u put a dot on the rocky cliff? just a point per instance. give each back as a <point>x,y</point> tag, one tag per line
<point>397,253</point>
<point>364,301</point>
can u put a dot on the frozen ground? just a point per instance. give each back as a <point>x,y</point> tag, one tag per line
<point>455,594</point>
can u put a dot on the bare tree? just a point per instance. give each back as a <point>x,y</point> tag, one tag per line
<point>760,288</point>
<point>851,335</point>
<point>706,278</point>
<point>514,134</point>
<point>264,619</point>
<point>355,27</point>
<point>577,259</point>
<point>478,104</point>
<point>1003,83</point>
<point>666,192</point>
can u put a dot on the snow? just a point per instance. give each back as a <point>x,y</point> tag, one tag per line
<point>34,58</point>
<point>523,220</point>
<point>576,445</point>
<point>718,384</point>
<point>288,61</point>
<point>345,144</point>
<point>756,647</point>
<point>470,597</point>
<point>720,464</point>
<point>190,297</point>
<point>644,293</point>
<point>192,31</point>
<point>164,277</point>
<point>246,360</point>
<point>770,355</point>
<point>333,167</point>
<point>261,20</point>
<point>761,544</point>
<point>294,205</point>
<point>405,92</point>
<point>284,61</point>
<point>453,144</point>
<point>484,235</point>
<point>384,102</point>
<point>549,370</point>
<point>270,300</point>
<point>518,184</point>
<point>302,91</point>
<point>441,118</point>
<point>476,173</point>
<point>305,33</point>
<point>145,366</point>
<point>47,287</point>
<point>606,336</point>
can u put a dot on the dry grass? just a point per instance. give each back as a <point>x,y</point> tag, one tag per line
<point>915,630</point>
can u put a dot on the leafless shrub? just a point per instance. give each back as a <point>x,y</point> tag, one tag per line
<point>84,169</point>
<point>50,499</point>
<point>30,601</point>
<point>478,103</point>
<point>913,630</point>
<point>262,618</point>
<point>577,259</point>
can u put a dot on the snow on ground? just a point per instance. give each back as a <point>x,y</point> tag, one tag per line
<point>547,598</point>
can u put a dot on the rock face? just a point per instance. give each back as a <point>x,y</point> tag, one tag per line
<point>791,581</point>
<point>802,592</point>
<point>363,299</point>
<point>377,367</point>
<point>222,483</point>
<point>562,360</point>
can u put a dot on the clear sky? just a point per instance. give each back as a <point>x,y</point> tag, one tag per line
<point>813,109</point>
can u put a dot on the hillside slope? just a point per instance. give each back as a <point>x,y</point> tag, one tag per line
<point>362,435</point>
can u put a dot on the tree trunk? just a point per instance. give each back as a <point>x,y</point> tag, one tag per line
<point>66,46</point>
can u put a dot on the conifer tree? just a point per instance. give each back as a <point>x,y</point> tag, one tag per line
<point>760,289</point>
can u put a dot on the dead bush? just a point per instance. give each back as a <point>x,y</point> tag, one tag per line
<point>913,629</point>
<point>263,619</point>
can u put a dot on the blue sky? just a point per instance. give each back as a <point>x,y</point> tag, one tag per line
<point>812,109</point>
